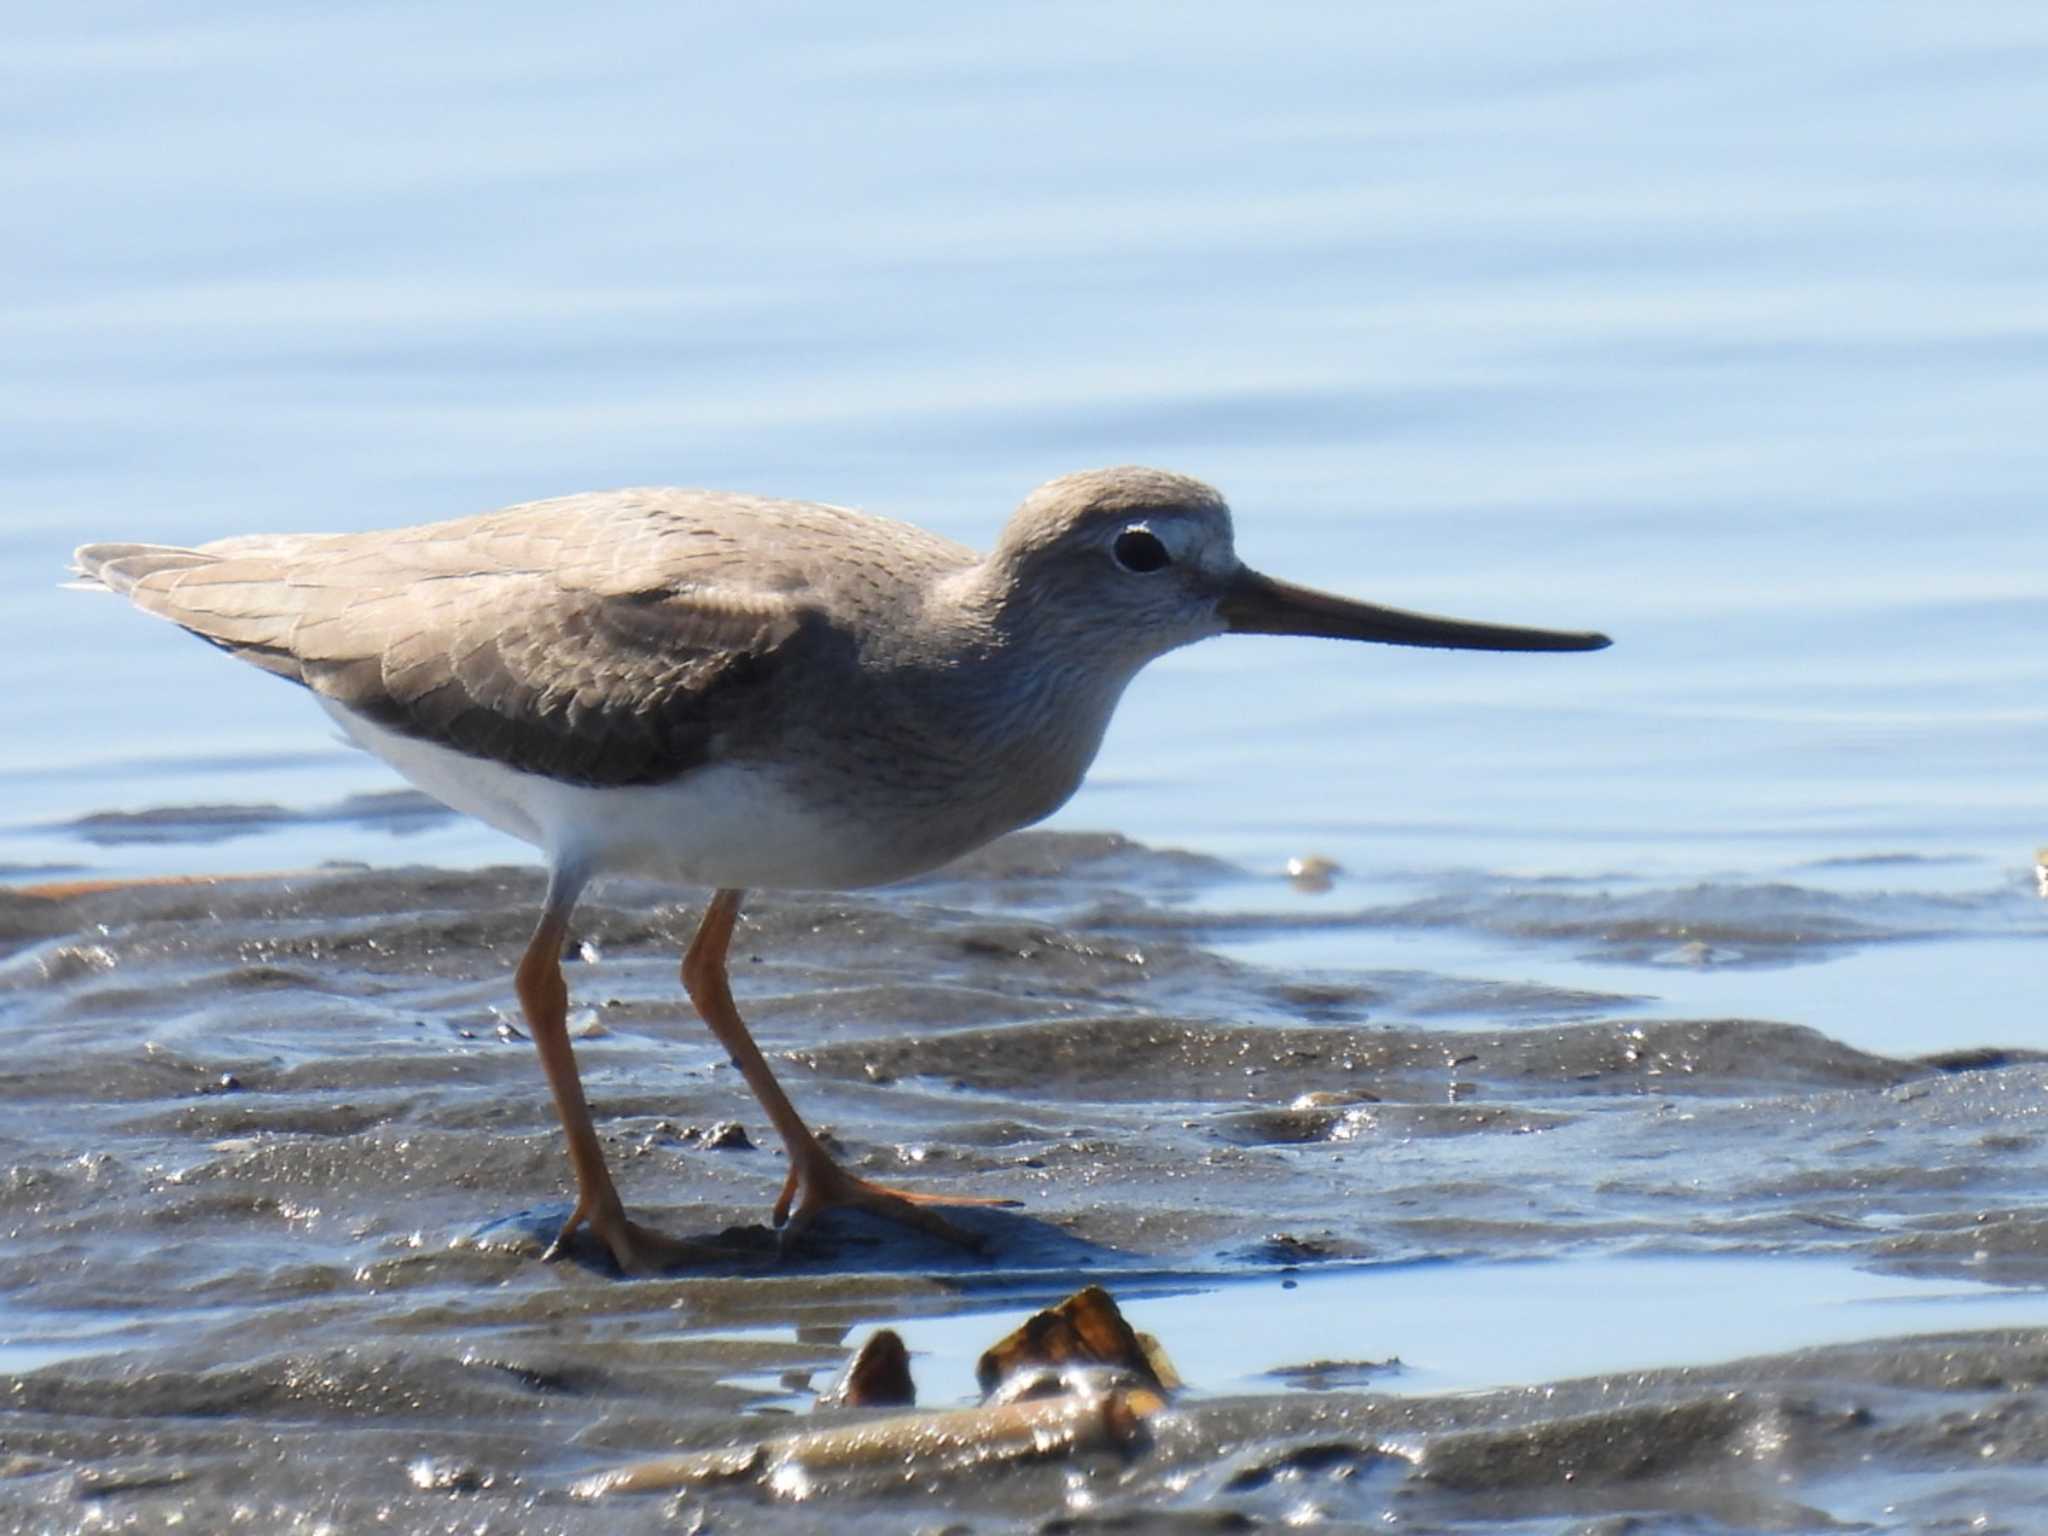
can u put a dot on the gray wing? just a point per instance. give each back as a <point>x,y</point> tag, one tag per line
<point>603,640</point>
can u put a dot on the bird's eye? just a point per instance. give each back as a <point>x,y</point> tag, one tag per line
<point>1139,549</point>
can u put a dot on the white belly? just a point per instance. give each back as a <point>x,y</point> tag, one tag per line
<point>727,826</point>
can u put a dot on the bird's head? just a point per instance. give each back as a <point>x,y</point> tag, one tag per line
<point>1132,563</point>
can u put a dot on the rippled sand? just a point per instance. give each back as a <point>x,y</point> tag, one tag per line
<point>278,1165</point>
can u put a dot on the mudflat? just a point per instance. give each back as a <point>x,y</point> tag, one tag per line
<point>278,1165</point>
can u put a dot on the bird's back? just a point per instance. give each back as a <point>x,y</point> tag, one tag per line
<point>611,638</point>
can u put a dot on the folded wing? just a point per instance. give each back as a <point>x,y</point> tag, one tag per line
<point>584,640</point>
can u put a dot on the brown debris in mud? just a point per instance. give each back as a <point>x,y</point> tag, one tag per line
<point>1082,1412</point>
<point>1085,1329</point>
<point>877,1377</point>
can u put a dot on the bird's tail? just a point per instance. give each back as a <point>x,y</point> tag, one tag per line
<point>118,567</point>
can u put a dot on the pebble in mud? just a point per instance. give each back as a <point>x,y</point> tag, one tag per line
<point>1313,874</point>
<point>443,1475</point>
<point>725,1136</point>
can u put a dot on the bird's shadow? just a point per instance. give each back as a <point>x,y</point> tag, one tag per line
<point>839,1242</point>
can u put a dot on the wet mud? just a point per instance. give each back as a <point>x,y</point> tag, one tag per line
<point>277,1166</point>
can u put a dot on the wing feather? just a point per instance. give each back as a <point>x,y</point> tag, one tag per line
<point>588,640</point>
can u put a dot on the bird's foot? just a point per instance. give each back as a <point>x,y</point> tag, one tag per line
<point>637,1250</point>
<point>817,1184</point>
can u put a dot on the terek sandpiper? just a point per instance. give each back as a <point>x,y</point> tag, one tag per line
<point>740,692</point>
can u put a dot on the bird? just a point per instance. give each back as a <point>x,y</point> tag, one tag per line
<point>743,693</point>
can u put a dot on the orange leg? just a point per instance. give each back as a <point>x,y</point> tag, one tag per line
<point>815,1183</point>
<point>544,998</point>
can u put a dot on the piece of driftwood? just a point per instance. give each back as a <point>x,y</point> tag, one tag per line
<point>910,1443</point>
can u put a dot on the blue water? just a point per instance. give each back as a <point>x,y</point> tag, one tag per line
<point>1719,328</point>
<point>1431,1327</point>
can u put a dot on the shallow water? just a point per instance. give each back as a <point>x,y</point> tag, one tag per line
<point>278,1174</point>
<point>1712,955</point>
<point>1431,1327</point>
